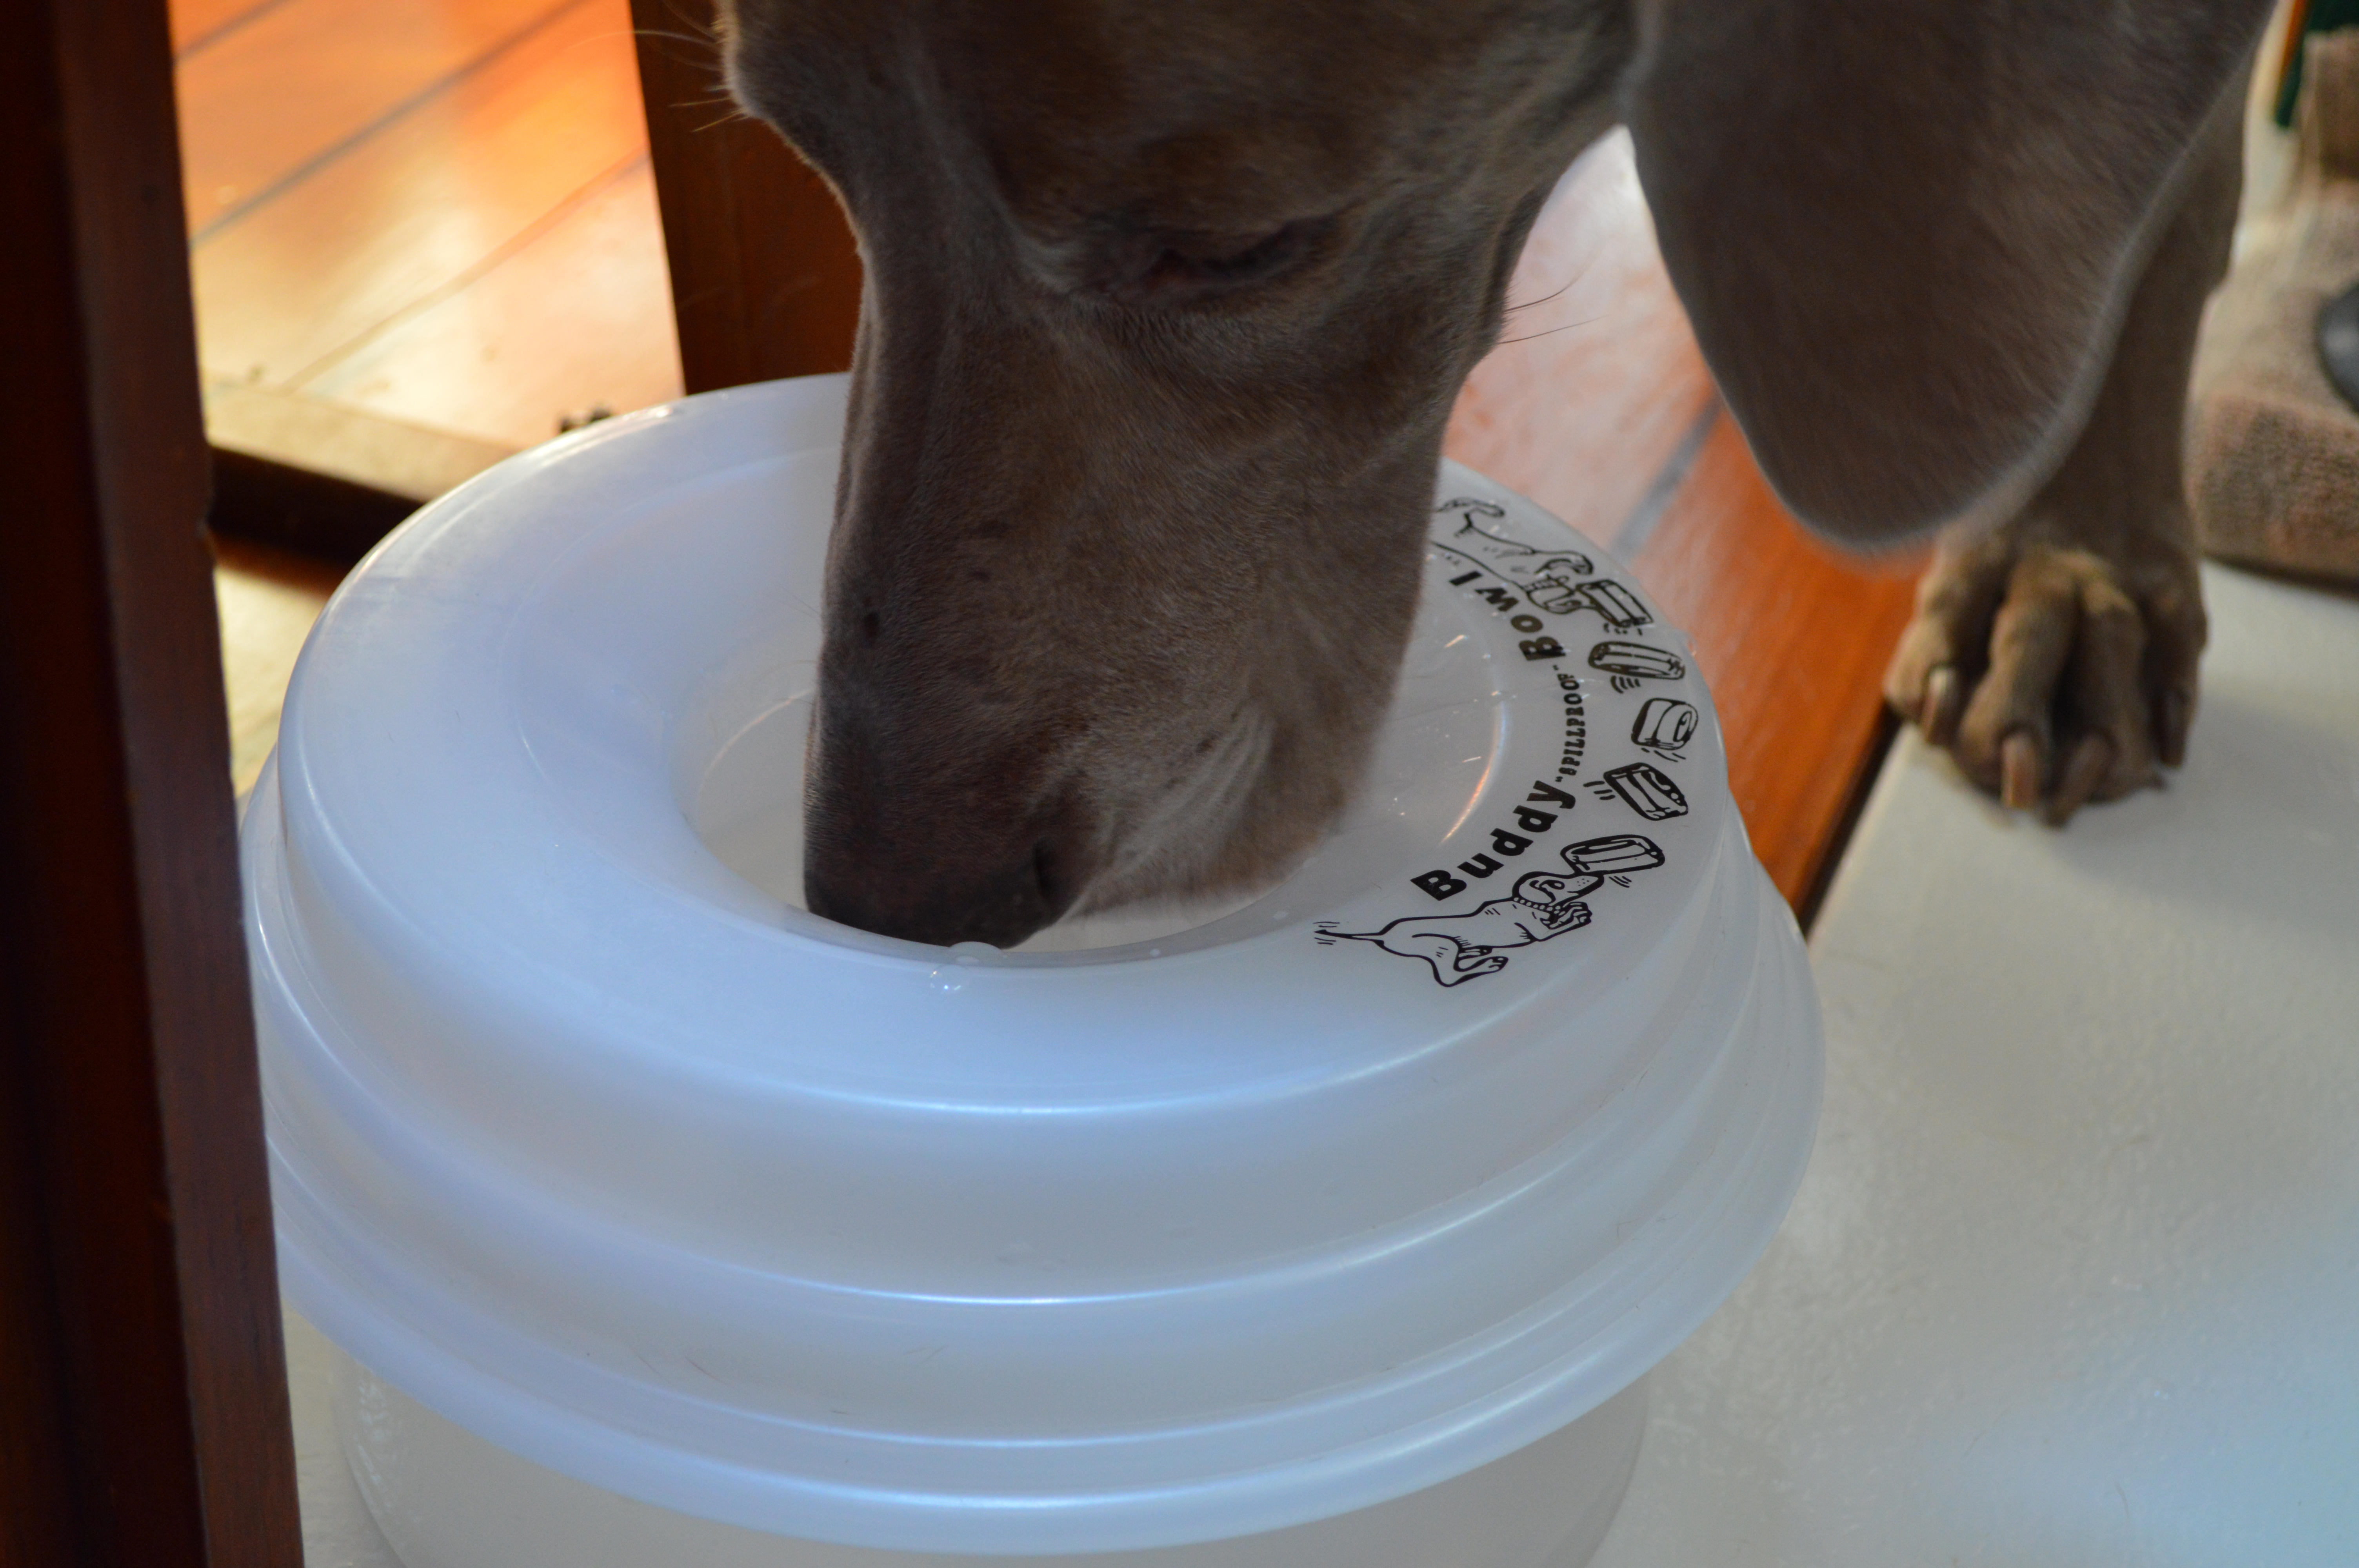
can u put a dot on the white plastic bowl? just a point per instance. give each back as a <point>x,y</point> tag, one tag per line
<point>660,1200</point>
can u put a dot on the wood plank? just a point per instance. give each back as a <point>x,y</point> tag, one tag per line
<point>414,461</point>
<point>766,278</point>
<point>296,84</point>
<point>579,317</point>
<point>143,1398</point>
<point>1792,638</point>
<point>422,206</point>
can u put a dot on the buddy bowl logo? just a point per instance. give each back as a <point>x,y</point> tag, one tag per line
<point>1525,585</point>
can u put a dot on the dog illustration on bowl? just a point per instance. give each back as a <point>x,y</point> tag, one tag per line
<point>1545,577</point>
<point>1541,904</point>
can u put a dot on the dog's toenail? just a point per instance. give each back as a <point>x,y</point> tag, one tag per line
<point>1939,717</point>
<point>2019,771</point>
<point>2093,756</point>
<point>2178,706</point>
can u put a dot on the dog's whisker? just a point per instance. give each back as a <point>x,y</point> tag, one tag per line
<point>1581,269</point>
<point>1528,304</point>
<point>693,42</point>
<point>1551,332</point>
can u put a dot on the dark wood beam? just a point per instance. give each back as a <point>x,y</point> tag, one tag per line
<point>297,474</point>
<point>290,508</point>
<point>143,1398</point>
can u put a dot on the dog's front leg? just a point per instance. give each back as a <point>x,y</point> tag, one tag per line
<point>2055,656</point>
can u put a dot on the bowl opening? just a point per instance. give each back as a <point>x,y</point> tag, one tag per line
<point>747,806</point>
<point>681,639</point>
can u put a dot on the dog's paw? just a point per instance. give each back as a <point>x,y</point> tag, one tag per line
<point>2055,675</point>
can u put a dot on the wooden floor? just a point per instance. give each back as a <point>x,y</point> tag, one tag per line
<point>267,602</point>
<point>435,211</point>
<point>440,211</point>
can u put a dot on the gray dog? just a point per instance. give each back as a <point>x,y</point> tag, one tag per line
<point>1168,301</point>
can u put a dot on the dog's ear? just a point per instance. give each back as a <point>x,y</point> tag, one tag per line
<point>1906,229</point>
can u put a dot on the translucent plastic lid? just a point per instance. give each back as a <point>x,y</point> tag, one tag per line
<point>588,1138</point>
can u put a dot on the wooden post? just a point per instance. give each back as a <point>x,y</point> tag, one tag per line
<point>764,276</point>
<point>143,1392</point>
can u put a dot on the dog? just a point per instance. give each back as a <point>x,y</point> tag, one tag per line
<point>1167,304</point>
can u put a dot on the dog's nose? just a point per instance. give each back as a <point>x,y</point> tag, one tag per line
<point>940,876</point>
<point>943,904</point>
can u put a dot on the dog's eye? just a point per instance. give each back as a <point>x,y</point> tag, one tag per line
<point>1146,268</point>
<point>1254,258</point>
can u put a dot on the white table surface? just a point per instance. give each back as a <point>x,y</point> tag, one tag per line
<point>2073,1280</point>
